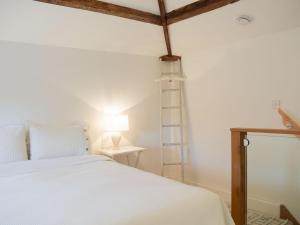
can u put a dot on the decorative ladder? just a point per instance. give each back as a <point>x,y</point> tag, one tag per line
<point>171,117</point>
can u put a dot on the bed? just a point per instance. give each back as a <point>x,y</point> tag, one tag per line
<point>94,190</point>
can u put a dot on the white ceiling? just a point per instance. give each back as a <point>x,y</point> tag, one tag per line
<point>220,27</point>
<point>39,23</point>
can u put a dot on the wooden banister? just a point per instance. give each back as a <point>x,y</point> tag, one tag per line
<point>288,121</point>
<point>266,131</point>
<point>239,169</point>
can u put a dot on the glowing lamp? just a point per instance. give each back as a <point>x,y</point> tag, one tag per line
<point>115,124</point>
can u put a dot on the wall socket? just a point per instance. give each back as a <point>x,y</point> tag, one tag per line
<point>275,104</point>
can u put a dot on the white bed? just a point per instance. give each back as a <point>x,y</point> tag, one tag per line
<point>93,190</point>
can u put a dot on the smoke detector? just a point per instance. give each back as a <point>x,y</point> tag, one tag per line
<point>244,20</point>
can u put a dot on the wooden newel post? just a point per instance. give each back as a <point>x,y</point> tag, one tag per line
<point>238,177</point>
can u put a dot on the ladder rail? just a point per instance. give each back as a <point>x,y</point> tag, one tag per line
<point>161,131</point>
<point>181,134</point>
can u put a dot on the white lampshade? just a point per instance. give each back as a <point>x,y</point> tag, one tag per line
<point>116,123</point>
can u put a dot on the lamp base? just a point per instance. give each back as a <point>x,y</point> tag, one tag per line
<point>116,138</point>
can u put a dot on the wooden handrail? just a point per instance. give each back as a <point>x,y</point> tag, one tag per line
<point>287,120</point>
<point>239,169</point>
<point>266,131</point>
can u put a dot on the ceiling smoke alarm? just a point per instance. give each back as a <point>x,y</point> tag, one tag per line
<point>244,20</point>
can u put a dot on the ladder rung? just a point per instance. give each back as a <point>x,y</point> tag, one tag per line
<point>172,164</point>
<point>170,73</point>
<point>172,125</point>
<point>171,144</point>
<point>171,77</point>
<point>171,89</point>
<point>171,107</point>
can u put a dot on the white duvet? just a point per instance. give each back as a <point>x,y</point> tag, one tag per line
<point>92,190</point>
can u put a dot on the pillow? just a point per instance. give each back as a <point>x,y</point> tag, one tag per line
<point>47,142</point>
<point>12,144</point>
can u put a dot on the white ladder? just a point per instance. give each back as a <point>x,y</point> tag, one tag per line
<point>171,116</point>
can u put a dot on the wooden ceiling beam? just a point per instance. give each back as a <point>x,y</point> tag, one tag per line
<point>162,9</point>
<point>108,8</point>
<point>163,14</point>
<point>196,8</point>
<point>164,19</point>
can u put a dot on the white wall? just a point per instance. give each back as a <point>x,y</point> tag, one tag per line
<point>63,86</point>
<point>233,86</point>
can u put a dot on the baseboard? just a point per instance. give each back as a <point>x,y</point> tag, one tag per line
<point>254,203</point>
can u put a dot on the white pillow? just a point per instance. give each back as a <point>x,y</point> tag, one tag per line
<point>47,142</point>
<point>12,144</point>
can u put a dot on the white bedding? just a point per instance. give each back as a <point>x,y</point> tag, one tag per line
<point>93,190</point>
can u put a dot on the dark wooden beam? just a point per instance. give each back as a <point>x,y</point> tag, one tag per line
<point>108,8</point>
<point>163,15</point>
<point>196,8</point>
<point>170,58</point>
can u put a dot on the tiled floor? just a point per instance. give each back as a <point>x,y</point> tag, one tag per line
<point>258,218</point>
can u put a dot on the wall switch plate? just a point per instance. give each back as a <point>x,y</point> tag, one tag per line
<point>275,104</point>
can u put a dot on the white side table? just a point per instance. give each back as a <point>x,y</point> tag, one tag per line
<point>122,150</point>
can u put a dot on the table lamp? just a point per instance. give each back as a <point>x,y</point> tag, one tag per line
<point>116,124</point>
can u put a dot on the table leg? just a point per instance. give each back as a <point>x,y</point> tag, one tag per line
<point>137,159</point>
<point>128,162</point>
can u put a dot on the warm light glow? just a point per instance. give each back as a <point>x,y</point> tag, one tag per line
<point>116,123</point>
<point>112,110</point>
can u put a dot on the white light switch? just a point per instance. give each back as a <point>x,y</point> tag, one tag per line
<point>275,104</point>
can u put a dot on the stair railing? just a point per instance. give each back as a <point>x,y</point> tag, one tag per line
<point>239,143</point>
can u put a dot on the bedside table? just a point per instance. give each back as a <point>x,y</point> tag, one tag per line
<point>122,150</point>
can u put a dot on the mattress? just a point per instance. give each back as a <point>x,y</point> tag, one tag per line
<point>94,190</point>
